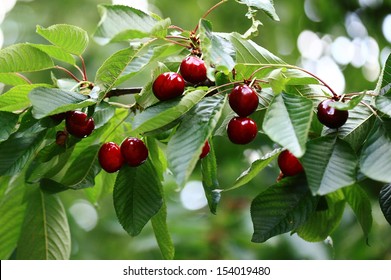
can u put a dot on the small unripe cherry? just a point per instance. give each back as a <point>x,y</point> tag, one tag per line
<point>331,117</point>
<point>289,164</point>
<point>205,150</point>
<point>134,151</point>
<point>110,157</point>
<point>241,130</point>
<point>78,124</point>
<point>168,85</point>
<point>193,69</point>
<point>243,100</point>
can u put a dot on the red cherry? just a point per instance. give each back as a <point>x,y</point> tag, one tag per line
<point>329,116</point>
<point>110,157</point>
<point>193,69</point>
<point>289,164</point>
<point>243,100</point>
<point>168,85</point>
<point>78,124</point>
<point>134,151</point>
<point>205,150</point>
<point>241,130</point>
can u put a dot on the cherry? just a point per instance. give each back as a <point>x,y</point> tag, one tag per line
<point>329,116</point>
<point>289,164</point>
<point>78,125</point>
<point>205,150</point>
<point>193,69</point>
<point>134,151</point>
<point>168,85</point>
<point>241,130</point>
<point>243,100</point>
<point>110,157</point>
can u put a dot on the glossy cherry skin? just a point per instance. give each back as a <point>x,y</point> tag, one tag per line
<point>78,124</point>
<point>241,130</point>
<point>110,157</point>
<point>243,100</point>
<point>289,164</point>
<point>193,69</point>
<point>205,150</point>
<point>134,151</point>
<point>168,85</point>
<point>330,116</point>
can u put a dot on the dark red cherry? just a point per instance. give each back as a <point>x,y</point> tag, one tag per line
<point>243,100</point>
<point>168,85</point>
<point>110,157</point>
<point>329,116</point>
<point>134,151</point>
<point>205,150</point>
<point>241,130</point>
<point>78,124</point>
<point>193,69</point>
<point>289,164</point>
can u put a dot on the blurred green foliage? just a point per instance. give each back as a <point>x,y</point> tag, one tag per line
<point>198,234</point>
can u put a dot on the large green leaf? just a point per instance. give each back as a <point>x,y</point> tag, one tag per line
<point>45,233</point>
<point>137,196</point>
<point>56,53</point>
<point>256,167</point>
<point>360,203</point>
<point>376,153</point>
<point>8,122</point>
<point>164,113</point>
<point>185,146</point>
<point>84,168</point>
<point>70,38</point>
<point>122,23</point>
<point>16,151</point>
<point>282,208</point>
<point>12,211</point>
<point>210,179</point>
<point>385,202</point>
<point>17,97</point>
<point>322,223</point>
<point>23,58</point>
<point>329,164</point>
<point>159,225</point>
<point>50,101</point>
<point>264,5</point>
<point>288,120</point>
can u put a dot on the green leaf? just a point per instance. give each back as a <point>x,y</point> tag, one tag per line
<point>17,97</point>
<point>385,202</point>
<point>384,83</point>
<point>216,50</point>
<point>70,38</point>
<point>56,53</point>
<point>122,23</point>
<point>266,6</point>
<point>282,208</point>
<point>45,233</point>
<point>137,196</point>
<point>16,151</point>
<point>60,101</point>
<point>288,121</point>
<point>159,225</point>
<point>23,58</point>
<point>376,153</point>
<point>122,65</point>
<point>256,167</point>
<point>12,79</point>
<point>322,223</point>
<point>330,164</point>
<point>360,203</point>
<point>210,179</point>
<point>383,104</point>
<point>12,211</point>
<point>8,122</point>
<point>84,168</point>
<point>166,112</point>
<point>184,148</point>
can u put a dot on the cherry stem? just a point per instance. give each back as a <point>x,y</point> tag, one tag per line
<point>68,72</point>
<point>83,64</point>
<point>24,78</point>
<point>208,12</point>
<point>177,43</point>
<point>176,27</point>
